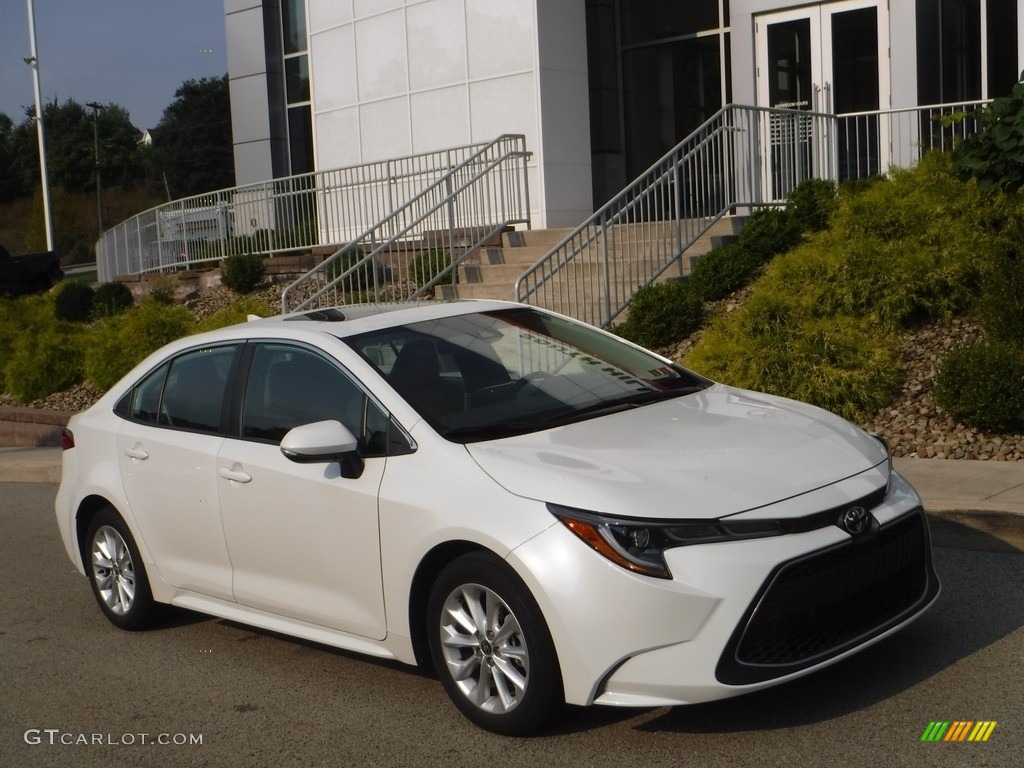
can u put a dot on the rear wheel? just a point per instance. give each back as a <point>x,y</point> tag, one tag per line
<point>116,573</point>
<point>491,647</point>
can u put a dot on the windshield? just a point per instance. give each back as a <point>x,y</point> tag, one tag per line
<point>510,371</point>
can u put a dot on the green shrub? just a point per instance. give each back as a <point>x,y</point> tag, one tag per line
<point>359,281</point>
<point>428,265</point>
<point>111,299</point>
<point>812,203</point>
<point>768,232</point>
<point>163,289</point>
<point>23,317</point>
<point>242,272</point>
<point>775,344</point>
<point>662,313</point>
<point>1001,306</point>
<point>118,343</point>
<point>238,312</point>
<point>994,154</point>
<point>721,271</point>
<point>982,385</point>
<point>74,302</point>
<point>44,362</point>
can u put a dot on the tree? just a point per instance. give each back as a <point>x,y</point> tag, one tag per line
<point>11,183</point>
<point>71,148</point>
<point>192,149</point>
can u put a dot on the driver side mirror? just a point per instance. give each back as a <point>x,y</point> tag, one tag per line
<point>324,442</point>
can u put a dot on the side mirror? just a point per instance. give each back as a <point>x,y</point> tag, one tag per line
<point>324,442</point>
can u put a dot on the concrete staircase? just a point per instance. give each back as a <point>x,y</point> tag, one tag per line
<point>494,274</point>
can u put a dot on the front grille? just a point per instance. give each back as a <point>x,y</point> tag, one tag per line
<point>819,605</point>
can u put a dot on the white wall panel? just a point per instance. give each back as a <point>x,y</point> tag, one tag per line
<point>437,44</point>
<point>384,129</point>
<point>440,118</point>
<point>382,66</point>
<point>333,61</point>
<point>501,36</point>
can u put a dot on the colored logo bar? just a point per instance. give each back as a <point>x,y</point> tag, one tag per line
<point>958,730</point>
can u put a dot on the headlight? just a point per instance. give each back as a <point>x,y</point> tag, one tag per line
<point>638,544</point>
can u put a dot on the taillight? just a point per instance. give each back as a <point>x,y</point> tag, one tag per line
<point>67,439</point>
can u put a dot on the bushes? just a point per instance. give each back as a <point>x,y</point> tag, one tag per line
<point>768,232</point>
<point>44,362</point>
<point>721,271</point>
<point>982,385</point>
<point>111,299</point>
<point>242,272</point>
<point>428,265</point>
<point>74,302</point>
<point>994,155</point>
<point>662,313</point>
<point>119,343</point>
<point>775,343</point>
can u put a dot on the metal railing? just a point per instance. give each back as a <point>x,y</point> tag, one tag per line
<point>326,208</point>
<point>419,246</point>
<point>742,157</point>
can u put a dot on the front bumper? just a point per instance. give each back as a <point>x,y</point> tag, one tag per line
<point>737,616</point>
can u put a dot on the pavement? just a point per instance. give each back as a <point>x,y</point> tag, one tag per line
<point>971,504</point>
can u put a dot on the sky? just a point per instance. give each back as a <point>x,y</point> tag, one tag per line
<point>134,53</point>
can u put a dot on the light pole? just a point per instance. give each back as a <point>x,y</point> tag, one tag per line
<point>96,155</point>
<point>33,61</point>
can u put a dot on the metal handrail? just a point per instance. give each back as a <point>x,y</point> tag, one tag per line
<point>740,158</point>
<point>421,244</point>
<point>325,208</point>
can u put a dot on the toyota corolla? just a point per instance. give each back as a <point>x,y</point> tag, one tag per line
<point>538,510</point>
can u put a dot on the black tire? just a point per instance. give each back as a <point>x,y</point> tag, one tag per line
<point>500,668</point>
<point>116,573</point>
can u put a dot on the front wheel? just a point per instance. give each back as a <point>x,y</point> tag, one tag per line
<point>116,573</point>
<point>491,647</point>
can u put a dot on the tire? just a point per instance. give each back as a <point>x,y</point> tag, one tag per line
<point>491,647</point>
<point>116,573</point>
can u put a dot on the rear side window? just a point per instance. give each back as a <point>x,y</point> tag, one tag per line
<point>193,392</point>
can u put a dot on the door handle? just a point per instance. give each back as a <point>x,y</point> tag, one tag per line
<point>236,475</point>
<point>136,453</point>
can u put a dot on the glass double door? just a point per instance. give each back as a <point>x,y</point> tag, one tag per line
<point>824,60</point>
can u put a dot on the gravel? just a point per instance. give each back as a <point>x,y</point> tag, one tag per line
<point>914,424</point>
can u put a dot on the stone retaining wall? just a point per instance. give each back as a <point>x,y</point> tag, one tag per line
<point>31,427</point>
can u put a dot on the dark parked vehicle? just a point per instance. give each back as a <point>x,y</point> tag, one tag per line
<point>30,273</point>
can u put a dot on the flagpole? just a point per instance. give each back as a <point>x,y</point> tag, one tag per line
<point>33,61</point>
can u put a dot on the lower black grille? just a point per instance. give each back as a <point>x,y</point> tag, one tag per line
<point>822,604</point>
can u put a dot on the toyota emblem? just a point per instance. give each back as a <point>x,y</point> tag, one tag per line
<point>854,520</point>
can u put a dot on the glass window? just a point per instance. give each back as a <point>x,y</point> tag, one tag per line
<point>193,395</point>
<point>669,90</point>
<point>646,20</point>
<point>296,73</point>
<point>145,404</point>
<point>300,139</point>
<point>492,374</point>
<point>293,22</point>
<point>289,386</point>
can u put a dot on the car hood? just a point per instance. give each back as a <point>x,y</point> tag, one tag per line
<point>717,452</point>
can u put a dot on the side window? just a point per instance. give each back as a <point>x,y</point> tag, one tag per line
<point>289,386</point>
<point>145,401</point>
<point>194,393</point>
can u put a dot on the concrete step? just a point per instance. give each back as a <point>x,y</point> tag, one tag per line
<point>540,238</point>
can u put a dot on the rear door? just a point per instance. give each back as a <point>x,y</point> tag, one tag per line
<point>167,453</point>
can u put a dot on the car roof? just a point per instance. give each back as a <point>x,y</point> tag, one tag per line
<point>352,319</point>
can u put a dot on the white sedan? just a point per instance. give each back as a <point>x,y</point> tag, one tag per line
<point>539,510</point>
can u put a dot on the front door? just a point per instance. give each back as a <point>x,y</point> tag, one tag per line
<point>825,60</point>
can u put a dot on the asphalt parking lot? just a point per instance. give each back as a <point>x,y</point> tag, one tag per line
<point>206,692</point>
